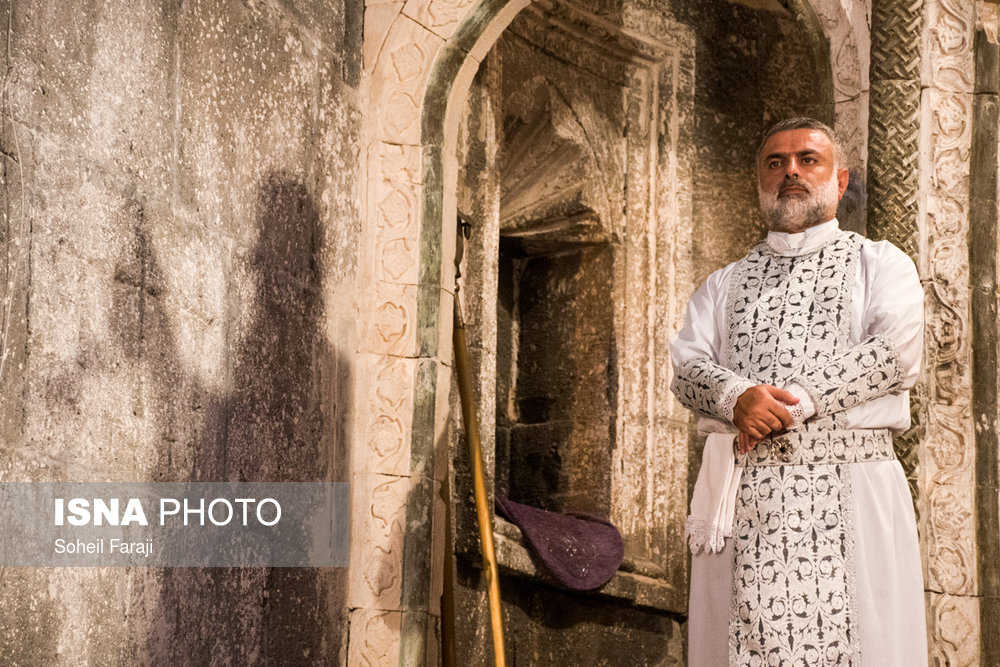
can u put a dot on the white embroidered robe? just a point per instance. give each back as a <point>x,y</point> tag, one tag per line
<point>880,623</point>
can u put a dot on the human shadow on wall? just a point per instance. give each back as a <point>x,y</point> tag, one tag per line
<point>280,418</point>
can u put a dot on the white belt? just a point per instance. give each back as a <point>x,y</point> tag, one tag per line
<point>821,446</point>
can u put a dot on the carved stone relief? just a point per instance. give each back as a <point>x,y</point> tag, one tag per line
<point>929,44</point>
<point>948,33</point>
<point>949,476</point>
<point>389,413</point>
<point>545,137</point>
<point>374,638</point>
<point>848,46</point>
<point>955,630</point>
<point>845,24</point>
<point>893,152</point>
<point>381,499</point>
<point>441,16</point>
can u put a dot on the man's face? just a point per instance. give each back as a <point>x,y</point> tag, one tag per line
<point>798,180</point>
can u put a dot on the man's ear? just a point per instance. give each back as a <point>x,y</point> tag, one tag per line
<point>843,177</point>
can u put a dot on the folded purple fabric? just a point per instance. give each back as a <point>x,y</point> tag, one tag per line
<point>582,552</point>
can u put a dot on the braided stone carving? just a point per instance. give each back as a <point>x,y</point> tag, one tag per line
<point>893,132</point>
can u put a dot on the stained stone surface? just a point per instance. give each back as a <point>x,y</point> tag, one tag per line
<point>180,224</point>
<point>545,626</point>
<point>213,220</point>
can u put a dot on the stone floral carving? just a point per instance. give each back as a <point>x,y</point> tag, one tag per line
<point>950,28</point>
<point>390,322</point>
<point>955,639</point>
<point>407,61</point>
<point>399,77</point>
<point>441,16</point>
<point>446,12</point>
<point>400,164</point>
<point>844,52</point>
<point>375,638</point>
<point>950,439</point>
<point>395,209</point>
<point>951,551</point>
<point>397,258</point>
<point>386,435</point>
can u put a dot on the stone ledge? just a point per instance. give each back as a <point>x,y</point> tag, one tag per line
<point>637,589</point>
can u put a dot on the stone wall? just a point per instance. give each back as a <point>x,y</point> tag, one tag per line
<point>181,207</point>
<point>226,256</point>
<point>753,68</point>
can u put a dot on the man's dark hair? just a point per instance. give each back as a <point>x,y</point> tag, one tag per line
<point>803,123</point>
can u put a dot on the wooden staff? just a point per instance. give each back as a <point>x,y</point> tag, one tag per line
<point>483,517</point>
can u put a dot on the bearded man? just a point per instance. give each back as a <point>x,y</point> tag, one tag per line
<point>798,358</point>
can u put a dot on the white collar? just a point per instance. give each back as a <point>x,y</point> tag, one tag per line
<point>803,242</point>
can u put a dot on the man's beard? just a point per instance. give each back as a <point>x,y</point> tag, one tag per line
<point>797,212</point>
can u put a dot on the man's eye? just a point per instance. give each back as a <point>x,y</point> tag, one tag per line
<point>809,160</point>
<point>774,164</point>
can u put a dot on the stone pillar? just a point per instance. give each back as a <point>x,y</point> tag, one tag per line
<point>983,260</point>
<point>893,135</point>
<point>948,476</point>
<point>923,111</point>
<point>419,60</point>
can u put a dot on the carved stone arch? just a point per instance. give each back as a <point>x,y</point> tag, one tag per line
<point>844,25</point>
<point>419,60</point>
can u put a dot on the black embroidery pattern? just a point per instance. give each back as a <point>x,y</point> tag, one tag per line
<point>793,571</point>
<point>866,371</point>
<point>793,597</point>
<point>829,446</point>
<point>707,388</point>
<point>786,314</point>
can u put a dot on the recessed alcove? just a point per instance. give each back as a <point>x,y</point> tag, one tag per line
<point>573,174</point>
<point>556,376</point>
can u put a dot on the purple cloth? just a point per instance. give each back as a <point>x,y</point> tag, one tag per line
<point>582,552</point>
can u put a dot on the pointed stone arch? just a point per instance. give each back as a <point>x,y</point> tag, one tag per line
<point>419,60</point>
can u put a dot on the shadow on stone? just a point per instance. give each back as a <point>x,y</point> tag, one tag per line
<point>279,419</point>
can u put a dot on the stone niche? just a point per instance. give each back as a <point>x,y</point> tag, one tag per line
<point>556,388</point>
<point>575,180</point>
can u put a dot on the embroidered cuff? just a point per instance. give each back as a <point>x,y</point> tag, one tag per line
<point>708,388</point>
<point>863,372</point>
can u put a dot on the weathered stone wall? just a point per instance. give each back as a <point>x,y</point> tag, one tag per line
<point>181,187</point>
<point>753,68</point>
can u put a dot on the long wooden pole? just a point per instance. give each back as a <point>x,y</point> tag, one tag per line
<point>483,517</point>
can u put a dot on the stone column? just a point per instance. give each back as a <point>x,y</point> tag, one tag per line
<point>924,109</point>
<point>983,259</point>
<point>893,136</point>
<point>948,475</point>
<point>420,57</point>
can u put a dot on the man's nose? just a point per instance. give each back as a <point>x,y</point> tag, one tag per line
<point>792,168</point>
